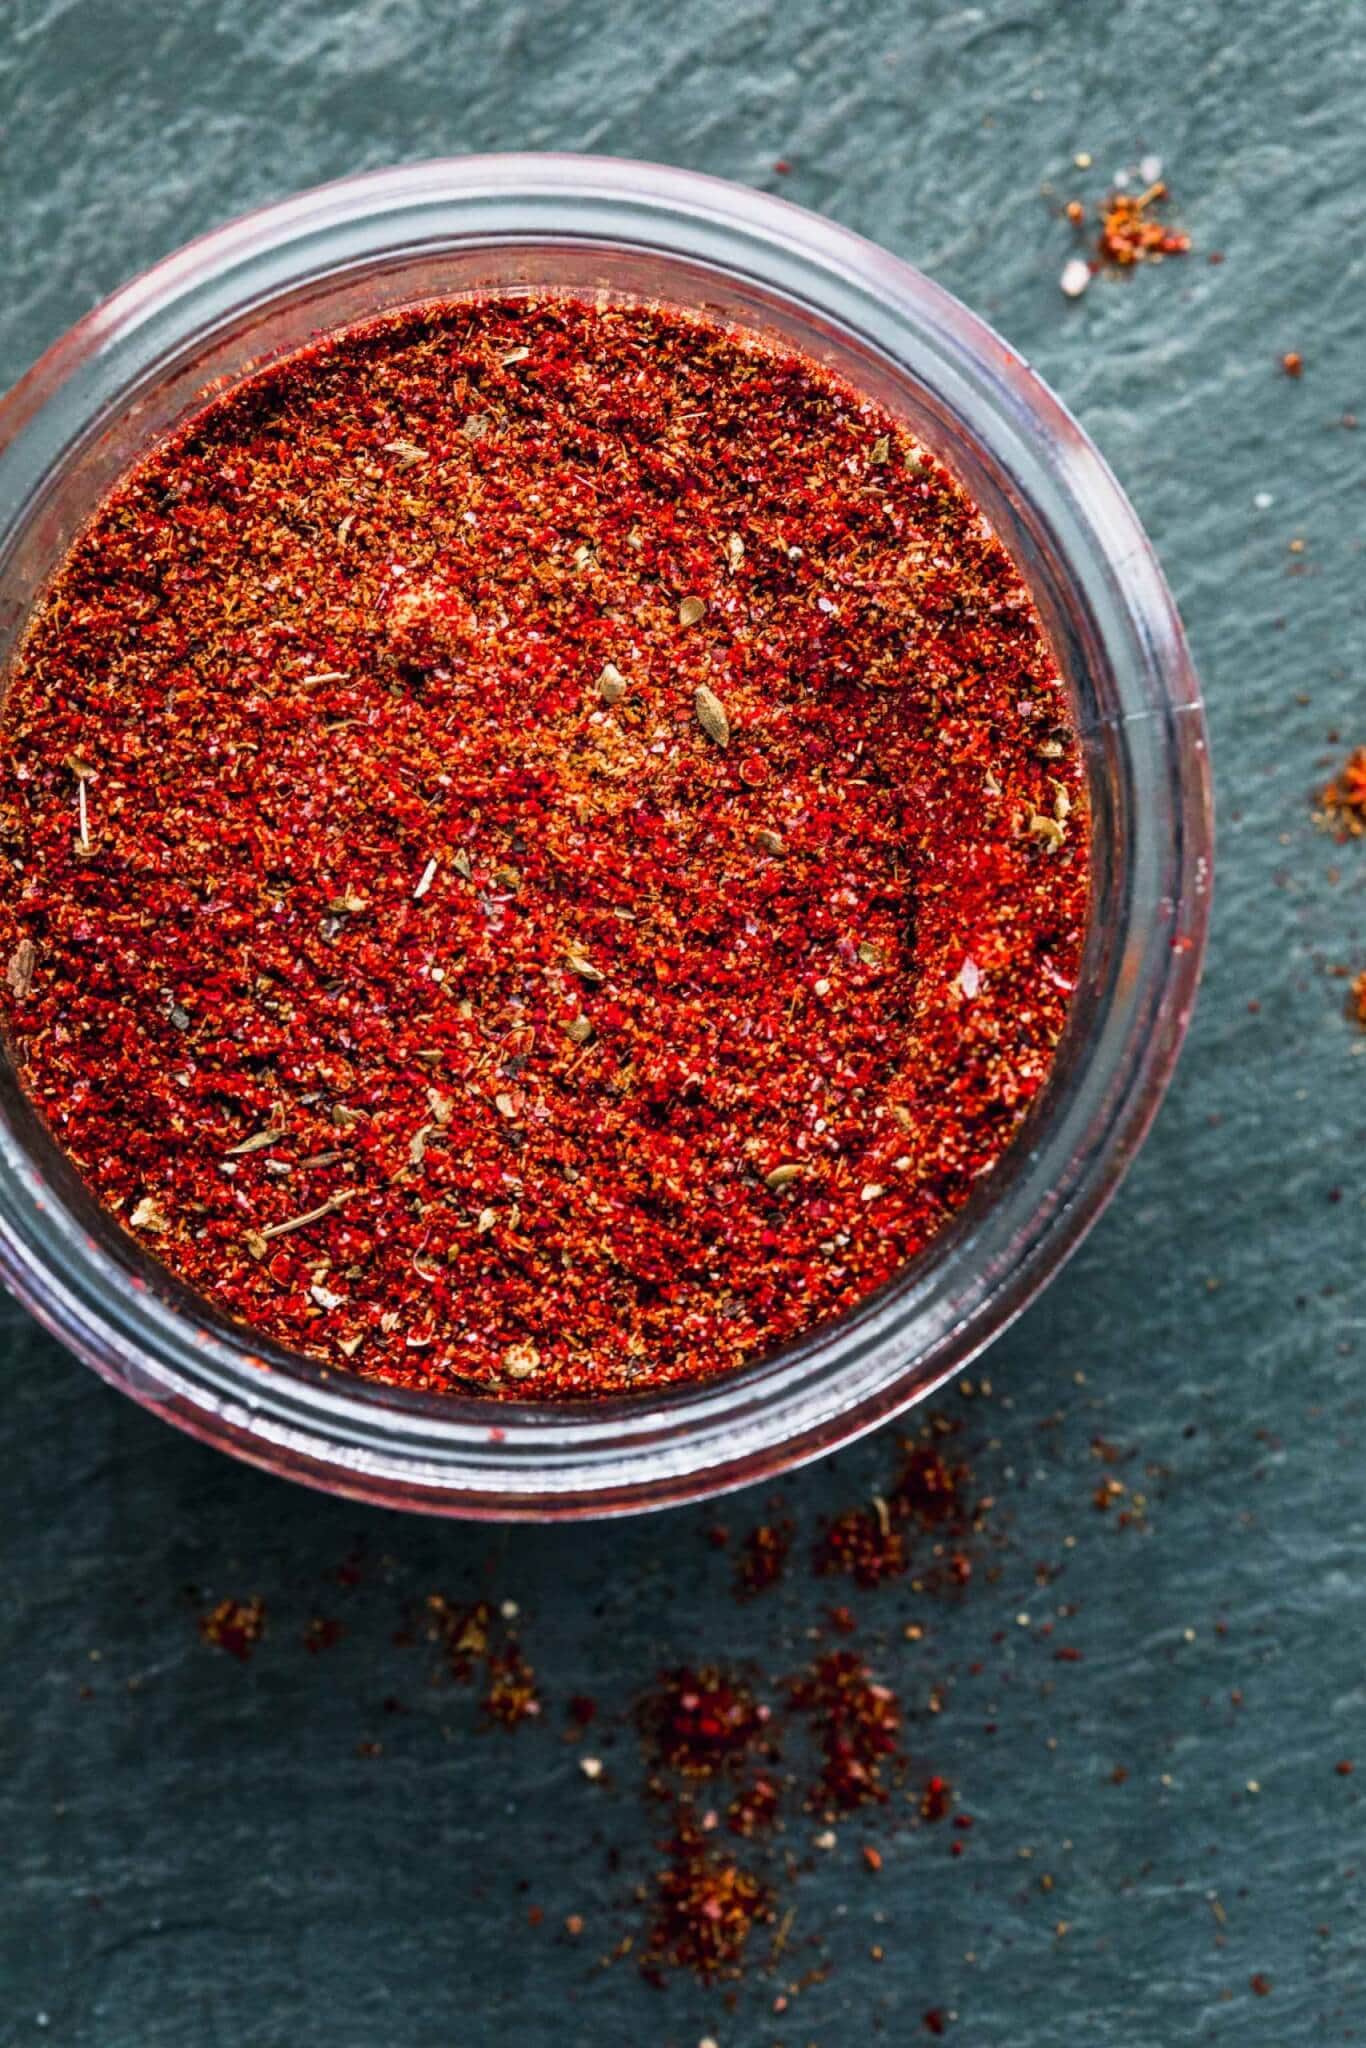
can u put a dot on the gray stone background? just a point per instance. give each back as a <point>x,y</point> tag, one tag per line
<point>194,1851</point>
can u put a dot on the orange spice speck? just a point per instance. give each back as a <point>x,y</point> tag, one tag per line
<point>1130,232</point>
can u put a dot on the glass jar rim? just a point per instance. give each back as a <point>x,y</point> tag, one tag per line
<point>440,1453</point>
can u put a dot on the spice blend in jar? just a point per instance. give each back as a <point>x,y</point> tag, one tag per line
<point>544,849</point>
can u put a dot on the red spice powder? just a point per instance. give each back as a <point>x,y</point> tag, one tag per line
<point>701,1722</point>
<point>462,1632</point>
<point>763,1558</point>
<point>474,1640</point>
<point>856,1722</point>
<point>706,1906</point>
<point>754,1808</point>
<point>542,849</point>
<point>871,1544</point>
<point>1130,231</point>
<point>1342,804</point>
<point>511,1697</point>
<point>864,1544</point>
<point>235,1626</point>
<point>936,1799</point>
<point>929,1490</point>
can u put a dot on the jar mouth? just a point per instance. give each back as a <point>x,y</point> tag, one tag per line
<point>204,317</point>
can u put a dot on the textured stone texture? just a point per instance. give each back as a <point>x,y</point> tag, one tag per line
<point>195,1853</point>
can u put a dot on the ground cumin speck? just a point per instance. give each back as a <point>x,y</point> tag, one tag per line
<point>542,849</point>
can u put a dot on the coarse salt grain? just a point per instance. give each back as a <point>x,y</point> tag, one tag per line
<point>1076,276</point>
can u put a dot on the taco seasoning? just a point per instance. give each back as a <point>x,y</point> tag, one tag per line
<point>544,849</point>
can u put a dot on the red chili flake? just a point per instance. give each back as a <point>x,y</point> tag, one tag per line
<point>418,968</point>
<point>856,1722</point>
<point>583,1710</point>
<point>462,1632</point>
<point>863,1544</point>
<point>1261,1984</point>
<point>1342,804</point>
<point>1130,232</point>
<point>936,1799</point>
<point>935,2020</point>
<point>322,1633</point>
<point>1359,998</point>
<point>1344,1767</point>
<point>512,1696</point>
<point>235,1626</point>
<point>706,1906</point>
<point>474,1640</point>
<point>763,1559</point>
<point>700,1722</point>
<point>930,1491</point>
<point>872,1857</point>
<point>754,1808</point>
<point>1292,362</point>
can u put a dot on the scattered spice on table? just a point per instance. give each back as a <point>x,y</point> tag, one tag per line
<point>1292,363</point>
<point>706,1907</point>
<point>864,1544</point>
<point>235,1626</point>
<point>928,1497</point>
<point>542,848</point>
<point>754,1808</point>
<point>704,1721</point>
<point>1359,997</point>
<point>1341,807</point>
<point>936,1799</point>
<point>856,1721</point>
<point>511,1697</point>
<point>479,1640</point>
<point>750,1778</point>
<point>763,1557</point>
<point>1132,231</point>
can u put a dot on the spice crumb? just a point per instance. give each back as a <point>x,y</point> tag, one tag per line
<point>235,1626</point>
<point>1131,232</point>
<point>1342,802</point>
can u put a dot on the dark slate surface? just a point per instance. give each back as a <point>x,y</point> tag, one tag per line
<point>195,1852</point>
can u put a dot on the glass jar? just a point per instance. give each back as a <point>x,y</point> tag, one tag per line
<point>148,357</point>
